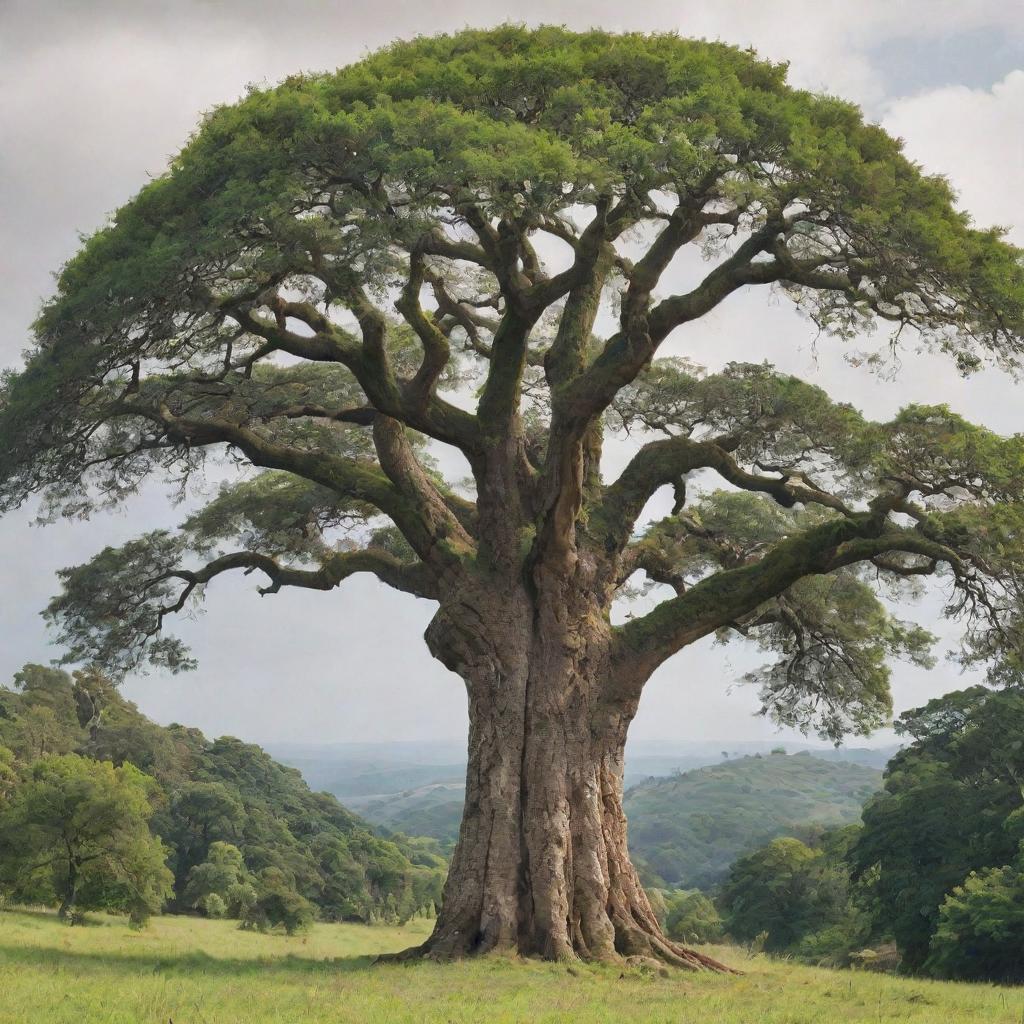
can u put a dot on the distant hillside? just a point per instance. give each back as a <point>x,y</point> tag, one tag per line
<point>361,775</point>
<point>685,830</point>
<point>432,810</point>
<point>365,773</point>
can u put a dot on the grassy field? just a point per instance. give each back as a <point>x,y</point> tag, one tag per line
<point>189,971</point>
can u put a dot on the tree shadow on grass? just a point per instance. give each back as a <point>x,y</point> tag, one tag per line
<point>135,962</point>
<point>193,962</point>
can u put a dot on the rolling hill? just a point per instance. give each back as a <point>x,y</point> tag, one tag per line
<point>685,830</point>
<point>685,827</point>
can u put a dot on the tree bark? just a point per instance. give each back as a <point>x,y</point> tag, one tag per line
<point>541,867</point>
<point>67,904</point>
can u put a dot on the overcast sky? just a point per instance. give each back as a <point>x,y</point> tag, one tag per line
<point>95,95</point>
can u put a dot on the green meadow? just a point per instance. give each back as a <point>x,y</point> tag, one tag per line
<point>184,970</point>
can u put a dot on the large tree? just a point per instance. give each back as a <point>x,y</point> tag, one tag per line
<point>466,242</point>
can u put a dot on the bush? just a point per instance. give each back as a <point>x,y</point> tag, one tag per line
<point>981,928</point>
<point>213,906</point>
<point>691,917</point>
<point>222,875</point>
<point>240,898</point>
<point>278,904</point>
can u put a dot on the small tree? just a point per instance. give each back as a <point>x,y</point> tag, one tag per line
<point>772,890</point>
<point>332,269</point>
<point>278,904</point>
<point>691,917</point>
<point>77,831</point>
<point>221,881</point>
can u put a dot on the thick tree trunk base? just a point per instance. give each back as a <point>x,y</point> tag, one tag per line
<point>541,868</point>
<point>652,950</point>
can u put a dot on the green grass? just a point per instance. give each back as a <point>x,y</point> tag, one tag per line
<point>191,971</point>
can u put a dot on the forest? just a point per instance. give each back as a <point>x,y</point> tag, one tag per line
<point>102,809</point>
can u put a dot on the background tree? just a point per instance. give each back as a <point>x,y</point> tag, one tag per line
<point>222,875</point>
<point>331,268</point>
<point>690,916</point>
<point>77,831</point>
<point>964,764</point>
<point>801,898</point>
<point>980,928</point>
<point>278,904</point>
<point>773,892</point>
<point>40,717</point>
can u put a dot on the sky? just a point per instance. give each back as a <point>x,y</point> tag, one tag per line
<point>97,95</point>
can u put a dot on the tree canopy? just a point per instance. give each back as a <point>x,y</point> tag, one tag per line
<point>348,250</point>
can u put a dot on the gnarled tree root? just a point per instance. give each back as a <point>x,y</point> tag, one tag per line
<point>651,950</point>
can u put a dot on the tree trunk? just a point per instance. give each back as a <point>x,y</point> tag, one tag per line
<point>67,904</point>
<point>541,867</point>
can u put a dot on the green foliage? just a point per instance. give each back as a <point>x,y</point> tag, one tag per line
<point>691,917</point>
<point>76,831</point>
<point>834,638</point>
<point>526,122</point>
<point>434,165</point>
<point>830,635</point>
<point>950,806</point>
<point>772,891</point>
<point>799,899</point>
<point>220,883</point>
<point>213,905</point>
<point>278,904</point>
<point>980,929</point>
<point>8,773</point>
<point>686,830</point>
<point>39,718</point>
<point>225,809</point>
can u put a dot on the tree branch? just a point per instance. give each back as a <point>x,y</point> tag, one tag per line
<point>727,596</point>
<point>667,461</point>
<point>409,577</point>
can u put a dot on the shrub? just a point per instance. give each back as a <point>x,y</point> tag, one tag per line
<point>980,932</point>
<point>691,917</point>
<point>278,904</point>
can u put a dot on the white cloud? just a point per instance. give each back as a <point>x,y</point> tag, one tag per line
<point>976,138</point>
